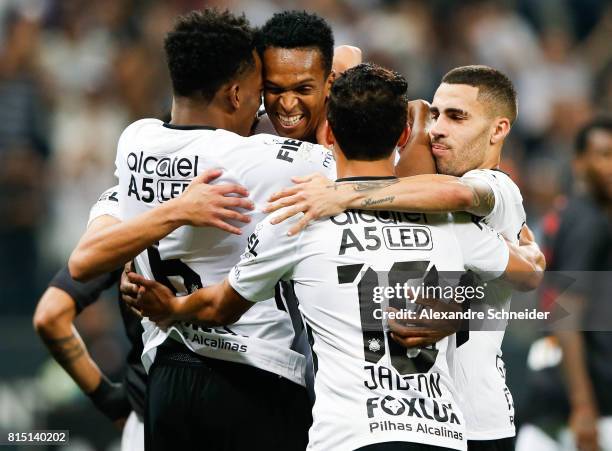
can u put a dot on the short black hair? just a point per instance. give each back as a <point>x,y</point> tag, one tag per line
<point>493,86</point>
<point>206,49</point>
<point>298,30</point>
<point>602,122</point>
<point>367,111</point>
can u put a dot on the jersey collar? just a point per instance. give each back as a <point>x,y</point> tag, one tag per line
<point>188,127</point>
<point>365,177</point>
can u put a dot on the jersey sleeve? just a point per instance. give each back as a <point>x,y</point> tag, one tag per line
<point>270,256</point>
<point>484,250</point>
<point>83,293</point>
<point>107,204</point>
<point>508,214</point>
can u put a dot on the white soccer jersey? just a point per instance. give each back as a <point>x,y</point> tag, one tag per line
<point>368,388</point>
<point>155,162</point>
<point>107,204</point>
<point>480,374</point>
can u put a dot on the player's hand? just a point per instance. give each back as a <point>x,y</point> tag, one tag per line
<point>419,332</point>
<point>154,300</point>
<point>583,423</point>
<point>314,195</point>
<point>345,57</point>
<point>204,205</point>
<point>419,114</point>
<point>128,290</point>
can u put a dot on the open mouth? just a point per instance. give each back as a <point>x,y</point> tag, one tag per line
<point>289,121</point>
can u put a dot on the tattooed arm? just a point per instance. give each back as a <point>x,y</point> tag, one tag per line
<point>318,197</point>
<point>53,321</point>
<point>424,193</point>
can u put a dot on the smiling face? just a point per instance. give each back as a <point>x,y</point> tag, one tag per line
<point>460,135</point>
<point>295,90</point>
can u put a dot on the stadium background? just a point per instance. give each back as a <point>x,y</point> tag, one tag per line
<point>74,73</point>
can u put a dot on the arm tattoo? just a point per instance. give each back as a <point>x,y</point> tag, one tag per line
<point>370,202</point>
<point>65,350</point>
<point>372,185</point>
<point>483,198</point>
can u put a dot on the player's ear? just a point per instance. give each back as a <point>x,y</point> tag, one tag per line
<point>234,95</point>
<point>328,83</point>
<point>500,129</point>
<point>403,139</point>
<point>328,136</point>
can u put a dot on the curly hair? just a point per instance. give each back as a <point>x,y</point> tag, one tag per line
<point>367,111</point>
<point>298,30</point>
<point>206,49</point>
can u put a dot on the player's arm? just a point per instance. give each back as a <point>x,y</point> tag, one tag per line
<point>318,197</point>
<point>54,323</point>
<point>525,268</point>
<point>270,256</point>
<point>108,245</point>
<point>215,305</point>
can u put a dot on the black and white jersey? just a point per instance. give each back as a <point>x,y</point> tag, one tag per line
<point>155,162</point>
<point>479,371</point>
<point>368,388</point>
<point>106,205</point>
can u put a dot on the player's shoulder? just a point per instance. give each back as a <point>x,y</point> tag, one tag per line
<point>136,130</point>
<point>109,195</point>
<point>140,125</point>
<point>281,150</point>
<point>496,178</point>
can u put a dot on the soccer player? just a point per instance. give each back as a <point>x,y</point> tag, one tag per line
<point>297,50</point>
<point>122,403</point>
<point>281,42</point>
<point>370,393</point>
<point>245,374</point>
<point>473,110</point>
<point>580,389</point>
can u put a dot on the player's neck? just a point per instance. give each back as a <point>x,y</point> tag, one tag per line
<point>186,111</point>
<point>492,159</point>
<point>353,168</point>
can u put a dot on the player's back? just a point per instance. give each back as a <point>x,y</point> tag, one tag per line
<point>155,163</point>
<point>368,388</point>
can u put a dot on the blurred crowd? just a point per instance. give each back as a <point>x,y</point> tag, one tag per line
<point>74,73</point>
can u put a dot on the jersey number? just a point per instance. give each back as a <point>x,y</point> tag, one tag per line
<point>164,270</point>
<point>375,339</point>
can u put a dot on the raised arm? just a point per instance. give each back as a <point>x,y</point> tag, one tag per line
<point>108,245</point>
<point>345,57</point>
<point>415,157</point>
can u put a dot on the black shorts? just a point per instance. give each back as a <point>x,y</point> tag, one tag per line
<point>402,446</point>
<point>194,402</point>
<point>502,444</point>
